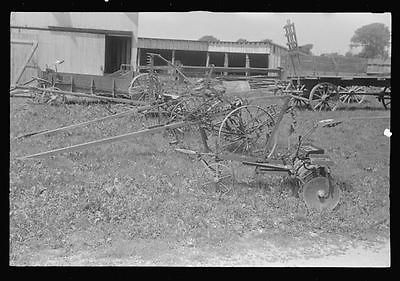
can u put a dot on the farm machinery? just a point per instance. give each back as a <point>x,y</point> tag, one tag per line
<point>231,129</point>
<point>324,83</point>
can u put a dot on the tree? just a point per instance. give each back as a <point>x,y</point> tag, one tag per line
<point>241,40</point>
<point>331,55</point>
<point>374,39</point>
<point>266,40</point>
<point>209,38</point>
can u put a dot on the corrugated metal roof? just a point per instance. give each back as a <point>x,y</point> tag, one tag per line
<point>251,43</point>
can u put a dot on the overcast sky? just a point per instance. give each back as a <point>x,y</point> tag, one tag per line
<point>329,32</point>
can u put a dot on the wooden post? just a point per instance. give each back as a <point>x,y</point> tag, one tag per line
<point>207,60</point>
<point>173,57</point>
<point>92,87</point>
<point>113,88</point>
<point>226,62</point>
<point>138,59</point>
<point>172,71</point>
<point>247,64</point>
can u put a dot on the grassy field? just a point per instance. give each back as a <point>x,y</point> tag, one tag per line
<point>143,189</point>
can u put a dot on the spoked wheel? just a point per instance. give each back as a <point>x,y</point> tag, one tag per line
<point>324,96</point>
<point>145,87</point>
<point>386,97</point>
<point>352,94</point>
<point>299,91</point>
<point>320,194</point>
<point>217,178</point>
<point>245,130</point>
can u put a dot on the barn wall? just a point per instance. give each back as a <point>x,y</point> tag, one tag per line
<point>95,20</point>
<point>82,52</point>
<point>19,52</point>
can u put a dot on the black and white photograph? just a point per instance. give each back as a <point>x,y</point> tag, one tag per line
<point>200,139</point>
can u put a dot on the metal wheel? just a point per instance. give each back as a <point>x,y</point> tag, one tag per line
<point>351,94</point>
<point>145,87</point>
<point>320,194</point>
<point>386,97</point>
<point>324,96</point>
<point>245,130</point>
<point>217,177</point>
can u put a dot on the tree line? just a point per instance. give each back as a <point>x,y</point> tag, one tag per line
<point>374,40</point>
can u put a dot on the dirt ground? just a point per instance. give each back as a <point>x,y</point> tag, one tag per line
<point>256,251</point>
<point>62,212</point>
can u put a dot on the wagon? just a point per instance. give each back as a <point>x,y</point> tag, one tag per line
<point>323,82</point>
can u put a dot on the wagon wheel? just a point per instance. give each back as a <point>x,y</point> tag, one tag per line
<point>324,96</point>
<point>245,130</point>
<point>217,177</point>
<point>300,91</point>
<point>145,87</point>
<point>351,95</point>
<point>321,194</point>
<point>386,97</point>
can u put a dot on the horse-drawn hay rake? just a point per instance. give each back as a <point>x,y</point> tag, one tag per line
<point>231,130</point>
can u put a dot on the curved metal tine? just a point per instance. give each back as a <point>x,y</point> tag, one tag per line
<point>236,149</point>
<point>252,129</point>
<point>227,145</point>
<point>233,122</point>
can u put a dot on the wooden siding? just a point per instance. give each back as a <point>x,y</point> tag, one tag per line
<point>96,20</point>
<point>379,66</point>
<point>82,52</point>
<point>274,61</point>
<point>19,52</point>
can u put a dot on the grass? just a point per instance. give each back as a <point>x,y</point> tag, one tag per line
<point>142,189</point>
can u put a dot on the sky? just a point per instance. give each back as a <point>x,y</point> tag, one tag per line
<point>328,32</point>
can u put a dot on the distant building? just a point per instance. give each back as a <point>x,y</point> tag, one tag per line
<point>89,43</point>
<point>221,53</point>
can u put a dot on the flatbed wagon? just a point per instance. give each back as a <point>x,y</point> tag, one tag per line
<point>323,82</point>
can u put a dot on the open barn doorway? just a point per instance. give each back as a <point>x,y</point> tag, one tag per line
<point>117,52</point>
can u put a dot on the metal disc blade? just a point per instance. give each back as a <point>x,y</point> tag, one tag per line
<point>316,194</point>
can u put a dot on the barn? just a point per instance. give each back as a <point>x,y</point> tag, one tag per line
<point>99,44</point>
<point>87,43</point>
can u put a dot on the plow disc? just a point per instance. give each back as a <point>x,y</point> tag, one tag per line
<point>319,194</point>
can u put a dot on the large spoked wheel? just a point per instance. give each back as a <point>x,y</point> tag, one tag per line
<point>145,87</point>
<point>386,97</point>
<point>352,94</point>
<point>300,95</point>
<point>324,96</point>
<point>217,178</point>
<point>245,130</point>
<point>320,194</point>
